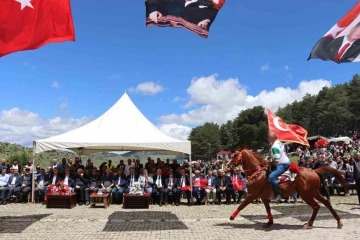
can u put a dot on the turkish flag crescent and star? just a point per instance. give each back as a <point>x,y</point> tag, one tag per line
<point>31,24</point>
<point>286,132</point>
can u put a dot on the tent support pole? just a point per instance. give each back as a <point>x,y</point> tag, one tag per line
<point>191,180</point>
<point>33,176</point>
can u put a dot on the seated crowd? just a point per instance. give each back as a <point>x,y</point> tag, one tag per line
<point>166,182</point>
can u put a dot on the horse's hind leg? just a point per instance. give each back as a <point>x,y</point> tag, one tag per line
<point>249,199</point>
<point>268,210</point>
<point>315,206</point>
<point>327,204</point>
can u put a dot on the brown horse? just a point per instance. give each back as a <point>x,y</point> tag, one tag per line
<point>306,184</point>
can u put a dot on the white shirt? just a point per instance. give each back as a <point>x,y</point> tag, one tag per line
<point>171,181</point>
<point>13,180</point>
<point>345,41</point>
<point>66,180</point>
<point>278,152</point>
<point>132,180</point>
<point>54,180</point>
<point>209,181</point>
<point>158,182</point>
<point>183,181</point>
<point>15,167</point>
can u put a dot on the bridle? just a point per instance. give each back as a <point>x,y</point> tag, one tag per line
<point>237,159</point>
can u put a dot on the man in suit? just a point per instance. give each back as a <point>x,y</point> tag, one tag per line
<point>80,185</point>
<point>93,185</point>
<point>341,49</point>
<point>25,185</point>
<point>183,186</point>
<point>211,187</point>
<point>146,181</point>
<point>13,183</point>
<point>158,188</point>
<point>198,190</point>
<point>42,181</point>
<point>131,178</point>
<point>68,179</point>
<point>223,185</point>
<point>120,182</point>
<point>171,187</point>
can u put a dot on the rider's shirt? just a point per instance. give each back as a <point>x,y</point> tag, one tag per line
<point>278,152</point>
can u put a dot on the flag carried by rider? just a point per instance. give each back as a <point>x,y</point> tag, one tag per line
<point>286,132</point>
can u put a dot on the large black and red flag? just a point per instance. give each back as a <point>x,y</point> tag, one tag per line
<point>29,24</point>
<point>194,15</point>
<point>342,42</point>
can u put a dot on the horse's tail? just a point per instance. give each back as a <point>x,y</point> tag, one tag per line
<point>335,173</point>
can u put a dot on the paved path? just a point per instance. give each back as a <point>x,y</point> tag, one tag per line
<point>28,221</point>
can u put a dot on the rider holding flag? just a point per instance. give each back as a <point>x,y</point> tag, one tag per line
<point>280,163</point>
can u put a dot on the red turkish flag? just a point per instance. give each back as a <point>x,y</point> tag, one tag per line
<point>30,24</point>
<point>286,132</point>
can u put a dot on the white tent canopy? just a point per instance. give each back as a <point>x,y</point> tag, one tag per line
<point>122,128</point>
<point>347,140</point>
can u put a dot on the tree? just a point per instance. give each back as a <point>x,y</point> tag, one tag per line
<point>205,141</point>
<point>353,91</point>
<point>249,129</point>
<point>225,135</point>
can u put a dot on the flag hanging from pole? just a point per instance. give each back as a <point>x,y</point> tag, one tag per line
<point>31,24</point>
<point>342,42</point>
<point>286,132</point>
<point>194,15</point>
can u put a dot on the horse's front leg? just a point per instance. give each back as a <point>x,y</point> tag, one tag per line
<point>268,210</point>
<point>249,199</point>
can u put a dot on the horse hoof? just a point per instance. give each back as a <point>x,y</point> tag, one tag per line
<point>340,225</point>
<point>307,226</point>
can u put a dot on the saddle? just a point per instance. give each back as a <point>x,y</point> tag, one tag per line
<point>287,177</point>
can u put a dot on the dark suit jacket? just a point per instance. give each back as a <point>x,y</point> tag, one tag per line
<point>327,48</point>
<point>226,182</point>
<point>175,182</point>
<point>123,181</point>
<point>44,178</point>
<point>129,179</point>
<point>155,179</point>
<point>17,182</point>
<point>187,181</point>
<point>71,181</point>
<point>58,179</point>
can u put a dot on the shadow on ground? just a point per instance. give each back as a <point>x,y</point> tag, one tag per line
<point>260,226</point>
<point>10,224</point>
<point>143,221</point>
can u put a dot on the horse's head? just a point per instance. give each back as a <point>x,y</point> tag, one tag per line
<point>236,157</point>
<point>245,155</point>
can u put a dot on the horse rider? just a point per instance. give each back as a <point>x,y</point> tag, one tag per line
<point>280,163</point>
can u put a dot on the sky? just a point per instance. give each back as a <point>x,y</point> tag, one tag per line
<point>255,55</point>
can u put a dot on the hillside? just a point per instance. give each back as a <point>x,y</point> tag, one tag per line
<point>10,151</point>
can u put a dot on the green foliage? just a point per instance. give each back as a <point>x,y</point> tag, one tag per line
<point>205,141</point>
<point>333,111</point>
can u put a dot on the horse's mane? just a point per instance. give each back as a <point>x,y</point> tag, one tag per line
<point>264,163</point>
